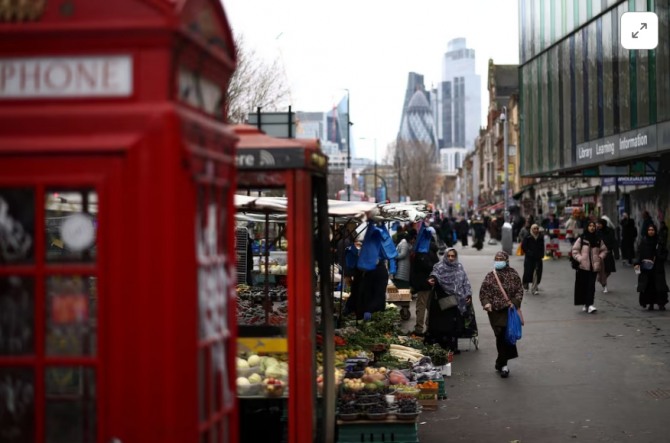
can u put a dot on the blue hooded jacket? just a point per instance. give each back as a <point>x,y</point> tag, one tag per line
<point>377,245</point>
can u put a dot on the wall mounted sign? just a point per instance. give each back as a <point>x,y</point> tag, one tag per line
<point>62,77</point>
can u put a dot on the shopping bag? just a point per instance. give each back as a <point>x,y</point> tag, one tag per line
<point>519,250</point>
<point>513,332</point>
<point>447,302</point>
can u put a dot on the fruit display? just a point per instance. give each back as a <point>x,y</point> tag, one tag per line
<point>273,387</point>
<point>254,371</point>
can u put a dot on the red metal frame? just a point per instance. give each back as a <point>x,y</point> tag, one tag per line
<point>301,161</point>
<point>146,155</point>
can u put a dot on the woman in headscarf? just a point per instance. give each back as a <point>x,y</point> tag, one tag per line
<point>533,248</point>
<point>650,264</point>
<point>496,304</point>
<point>448,277</point>
<point>606,235</point>
<point>590,252</point>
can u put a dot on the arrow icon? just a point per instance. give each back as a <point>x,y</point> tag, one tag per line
<point>634,34</point>
<point>644,26</point>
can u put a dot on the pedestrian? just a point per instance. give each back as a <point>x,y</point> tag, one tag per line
<point>663,234</point>
<point>404,249</point>
<point>496,303</point>
<point>424,257</point>
<point>590,252</point>
<point>650,266</point>
<point>571,225</point>
<point>478,232</point>
<point>463,228</point>
<point>606,235</point>
<point>524,232</point>
<point>628,236</point>
<point>533,247</point>
<point>444,326</point>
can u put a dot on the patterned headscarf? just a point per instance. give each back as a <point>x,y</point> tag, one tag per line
<point>451,276</point>
<point>502,256</point>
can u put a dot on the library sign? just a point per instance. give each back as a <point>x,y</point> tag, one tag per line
<point>66,77</point>
<point>616,147</point>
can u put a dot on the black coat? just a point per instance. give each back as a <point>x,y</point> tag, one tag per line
<point>533,249</point>
<point>651,250</point>
<point>607,236</point>
<point>420,266</point>
<point>628,235</point>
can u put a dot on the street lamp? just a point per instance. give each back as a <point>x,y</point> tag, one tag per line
<point>503,118</point>
<point>348,146</point>
<point>507,240</point>
<point>375,166</point>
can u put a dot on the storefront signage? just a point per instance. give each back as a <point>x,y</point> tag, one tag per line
<point>626,144</point>
<point>61,77</point>
<point>270,158</point>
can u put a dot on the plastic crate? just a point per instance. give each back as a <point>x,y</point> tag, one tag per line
<point>385,431</point>
<point>441,391</point>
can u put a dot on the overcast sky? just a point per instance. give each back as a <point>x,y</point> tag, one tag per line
<point>369,47</point>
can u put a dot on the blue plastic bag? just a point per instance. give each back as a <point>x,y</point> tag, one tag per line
<point>513,332</point>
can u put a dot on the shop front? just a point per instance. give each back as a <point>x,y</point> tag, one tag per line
<point>116,183</point>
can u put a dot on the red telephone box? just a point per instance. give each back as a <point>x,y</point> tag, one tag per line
<point>296,171</point>
<point>116,222</point>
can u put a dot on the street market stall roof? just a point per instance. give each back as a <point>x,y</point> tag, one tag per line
<point>252,208</point>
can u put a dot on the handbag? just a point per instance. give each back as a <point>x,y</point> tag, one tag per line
<point>574,262</point>
<point>514,317</point>
<point>447,302</point>
<point>519,250</point>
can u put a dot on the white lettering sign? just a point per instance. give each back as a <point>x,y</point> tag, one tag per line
<point>584,152</point>
<point>44,77</point>
<point>639,141</point>
<point>605,148</point>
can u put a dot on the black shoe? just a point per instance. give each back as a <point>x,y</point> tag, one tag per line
<point>498,368</point>
<point>661,307</point>
<point>504,372</point>
<point>650,308</point>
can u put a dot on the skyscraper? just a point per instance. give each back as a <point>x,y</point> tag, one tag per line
<point>458,98</point>
<point>418,122</point>
<point>414,83</point>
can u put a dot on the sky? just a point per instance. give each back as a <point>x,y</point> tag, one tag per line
<point>369,47</point>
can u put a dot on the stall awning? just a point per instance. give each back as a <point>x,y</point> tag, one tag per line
<point>249,206</point>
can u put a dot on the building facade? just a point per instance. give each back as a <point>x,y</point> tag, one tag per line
<point>589,106</point>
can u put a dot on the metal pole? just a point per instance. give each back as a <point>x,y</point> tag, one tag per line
<point>506,173</point>
<point>376,193</point>
<point>348,144</point>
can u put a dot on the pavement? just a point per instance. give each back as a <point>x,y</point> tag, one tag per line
<point>602,377</point>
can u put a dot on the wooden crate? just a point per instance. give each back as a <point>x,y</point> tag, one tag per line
<point>429,404</point>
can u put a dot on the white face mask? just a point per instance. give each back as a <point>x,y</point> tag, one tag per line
<point>499,264</point>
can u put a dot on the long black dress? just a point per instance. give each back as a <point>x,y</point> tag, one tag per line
<point>444,327</point>
<point>651,284</point>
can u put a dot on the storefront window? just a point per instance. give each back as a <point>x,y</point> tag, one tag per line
<point>71,225</point>
<point>543,64</point>
<point>663,61</point>
<point>580,88</point>
<point>554,112</point>
<point>567,147</point>
<point>642,71</point>
<point>624,79</point>
<point>17,405</point>
<point>17,226</point>
<point>17,320</point>
<point>592,59</point>
<point>608,75</point>
<point>70,404</point>
<point>71,312</point>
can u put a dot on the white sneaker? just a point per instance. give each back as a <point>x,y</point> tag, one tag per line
<point>583,308</point>
<point>605,289</point>
<point>592,309</point>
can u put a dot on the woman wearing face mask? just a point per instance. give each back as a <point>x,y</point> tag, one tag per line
<point>590,252</point>
<point>445,326</point>
<point>495,302</point>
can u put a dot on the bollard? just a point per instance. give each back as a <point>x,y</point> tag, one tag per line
<point>507,238</point>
